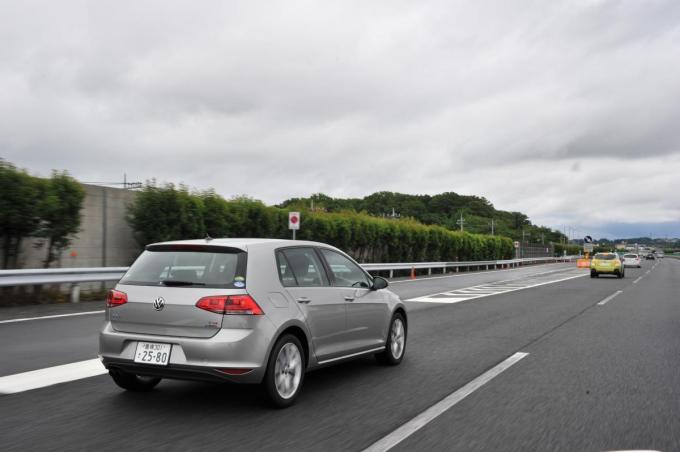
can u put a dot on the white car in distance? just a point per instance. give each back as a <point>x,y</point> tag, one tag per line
<point>631,260</point>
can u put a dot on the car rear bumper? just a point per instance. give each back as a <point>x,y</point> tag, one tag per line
<point>220,357</point>
<point>606,270</point>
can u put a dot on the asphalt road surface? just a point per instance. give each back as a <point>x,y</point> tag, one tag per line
<point>536,358</point>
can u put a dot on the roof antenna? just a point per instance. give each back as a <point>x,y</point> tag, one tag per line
<point>207,237</point>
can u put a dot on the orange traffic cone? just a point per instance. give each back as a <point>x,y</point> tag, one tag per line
<point>413,273</point>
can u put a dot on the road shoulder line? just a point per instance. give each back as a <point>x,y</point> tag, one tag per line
<point>49,376</point>
<point>56,316</point>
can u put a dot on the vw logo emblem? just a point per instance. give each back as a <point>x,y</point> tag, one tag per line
<point>159,304</point>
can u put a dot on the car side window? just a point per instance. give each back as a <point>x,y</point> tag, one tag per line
<point>301,267</point>
<point>285,272</point>
<point>345,272</point>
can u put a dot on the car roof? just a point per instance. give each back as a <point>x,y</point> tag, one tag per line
<point>243,243</point>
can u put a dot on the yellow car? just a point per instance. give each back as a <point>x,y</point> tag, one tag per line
<point>607,264</point>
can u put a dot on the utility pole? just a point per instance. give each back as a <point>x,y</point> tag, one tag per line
<point>492,224</point>
<point>461,222</point>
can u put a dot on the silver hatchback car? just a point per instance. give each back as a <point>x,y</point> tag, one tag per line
<point>247,311</point>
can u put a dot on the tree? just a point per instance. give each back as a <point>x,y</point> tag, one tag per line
<point>167,213</point>
<point>19,195</point>
<point>59,207</point>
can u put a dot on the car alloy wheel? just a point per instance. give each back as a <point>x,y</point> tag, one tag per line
<point>395,346</point>
<point>285,371</point>
<point>288,370</point>
<point>397,338</point>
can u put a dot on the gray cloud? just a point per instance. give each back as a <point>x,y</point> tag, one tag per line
<point>545,107</point>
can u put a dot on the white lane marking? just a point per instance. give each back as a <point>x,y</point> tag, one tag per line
<point>52,316</point>
<point>610,297</point>
<point>647,272</point>
<point>637,280</point>
<point>482,272</point>
<point>418,422</point>
<point>49,376</point>
<point>469,295</point>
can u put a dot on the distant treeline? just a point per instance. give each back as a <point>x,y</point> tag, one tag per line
<point>170,213</point>
<point>444,209</point>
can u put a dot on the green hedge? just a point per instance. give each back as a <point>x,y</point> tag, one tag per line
<point>171,213</point>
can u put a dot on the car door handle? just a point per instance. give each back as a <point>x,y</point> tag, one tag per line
<point>348,298</point>
<point>303,300</point>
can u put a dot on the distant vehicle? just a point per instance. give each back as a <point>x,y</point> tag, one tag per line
<point>246,311</point>
<point>650,257</point>
<point>632,260</point>
<point>659,255</point>
<point>606,264</point>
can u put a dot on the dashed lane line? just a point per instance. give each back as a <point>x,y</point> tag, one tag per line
<point>610,298</point>
<point>439,408</point>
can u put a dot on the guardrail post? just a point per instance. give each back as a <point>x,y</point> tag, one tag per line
<point>75,293</point>
<point>391,274</point>
<point>429,272</point>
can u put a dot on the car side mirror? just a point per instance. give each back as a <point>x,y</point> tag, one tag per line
<point>379,283</point>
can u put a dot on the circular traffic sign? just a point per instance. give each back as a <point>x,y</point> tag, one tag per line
<point>294,219</point>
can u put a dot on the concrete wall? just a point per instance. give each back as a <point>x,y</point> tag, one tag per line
<point>105,239</point>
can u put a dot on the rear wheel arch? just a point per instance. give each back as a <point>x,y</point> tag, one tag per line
<point>300,334</point>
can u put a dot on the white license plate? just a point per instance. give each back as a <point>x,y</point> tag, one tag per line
<point>153,353</point>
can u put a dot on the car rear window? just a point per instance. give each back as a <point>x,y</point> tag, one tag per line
<point>605,257</point>
<point>212,267</point>
<point>630,256</point>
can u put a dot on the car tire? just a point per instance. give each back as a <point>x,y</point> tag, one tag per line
<point>395,346</point>
<point>593,274</point>
<point>132,382</point>
<point>285,371</point>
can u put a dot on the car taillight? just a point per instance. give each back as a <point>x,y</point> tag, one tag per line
<point>230,305</point>
<point>115,298</point>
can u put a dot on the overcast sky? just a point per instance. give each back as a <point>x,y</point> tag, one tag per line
<point>567,111</point>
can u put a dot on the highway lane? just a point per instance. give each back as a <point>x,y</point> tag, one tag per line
<point>352,405</point>
<point>606,380</point>
<point>50,342</point>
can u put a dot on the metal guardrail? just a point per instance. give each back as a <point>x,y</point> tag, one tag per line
<point>40,276</point>
<point>75,276</point>
<point>444,266</point>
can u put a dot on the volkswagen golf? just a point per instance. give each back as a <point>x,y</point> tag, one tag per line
<point>258,311</point>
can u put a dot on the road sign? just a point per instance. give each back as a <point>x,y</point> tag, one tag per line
<point>588,247</point>
<point>587,239</point>
<point>294,220</point>
<point>516,244</point>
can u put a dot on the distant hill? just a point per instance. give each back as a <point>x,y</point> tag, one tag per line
<point>647,241</point>
<point>444,209</point>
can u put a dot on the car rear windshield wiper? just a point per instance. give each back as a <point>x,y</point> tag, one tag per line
<point>174,282</point>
